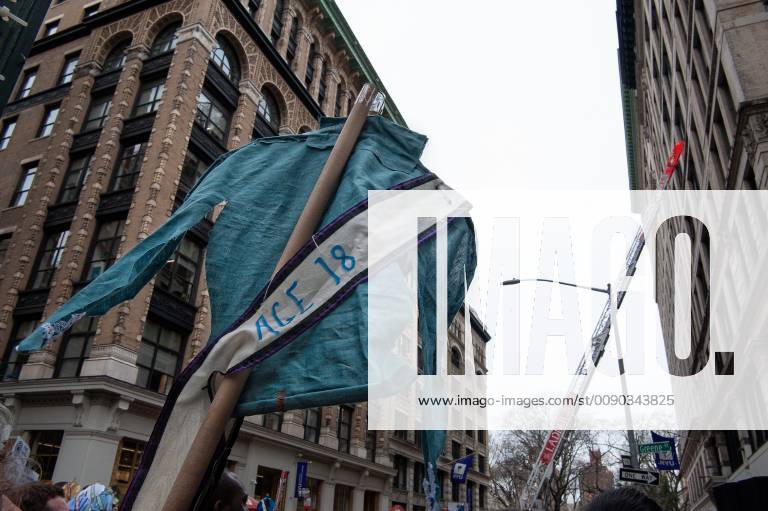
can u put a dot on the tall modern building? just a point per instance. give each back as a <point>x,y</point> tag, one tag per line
<point>119,108</point>
<point>696,70</point>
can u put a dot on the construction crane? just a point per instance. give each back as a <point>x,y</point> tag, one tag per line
<point>543,467</point>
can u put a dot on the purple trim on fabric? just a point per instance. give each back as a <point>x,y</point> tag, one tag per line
<point>308,247</point>
<point>154,440</point>
<point>321,313</point>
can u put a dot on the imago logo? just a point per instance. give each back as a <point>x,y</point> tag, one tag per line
<point>651,301</point>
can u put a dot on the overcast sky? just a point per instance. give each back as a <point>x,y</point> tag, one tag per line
<point>513,94</point>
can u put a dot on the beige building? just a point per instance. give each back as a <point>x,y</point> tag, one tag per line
<point>120,107</point>
<point>696,70</point>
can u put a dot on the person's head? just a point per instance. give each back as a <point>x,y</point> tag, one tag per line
<point>623,499</point>
<point>229,494</point>
<point>37,496</point>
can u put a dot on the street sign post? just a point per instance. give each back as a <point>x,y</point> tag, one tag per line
<point>636,475</point>
<point>655,447</point>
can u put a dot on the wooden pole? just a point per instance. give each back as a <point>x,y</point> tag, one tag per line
<point>203,447</point>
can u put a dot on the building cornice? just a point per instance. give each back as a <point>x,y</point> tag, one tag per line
<point>627,53</point>
<point>63,389</point>
<point>311,450</point>
<point>358,56</point>
<point>90,384</point>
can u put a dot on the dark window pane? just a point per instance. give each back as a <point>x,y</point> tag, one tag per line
<point>126,463</point>
<point>212,116</point>
<point>323,84</point>
<point>179,275</point>
<point>312,424</point>
<point>274,421</point>
<point>268,111</point>
<point>68,70</point>
<point>344,433</point>
<point>27,82</point>
<point>149,98</point>
<point>116,57</point>
<point>97,113</point>
<point>165,40</point>
<point>128,167</point>
<point>159,357</point>
<point>277,21</point>
<point>49,120</point>
<point>76,345</point>
<point>370,445</point>
<point>44,449</point>
<point>310,74</point>
<point>73,179</point>
<point>293,37</point>
<point>13,360</point>
<point>225,58</point>
<point>105,248</point>
<point>9,125</point>
<point>49,259</point>
<point>51,28</point>
<point>24,185</point>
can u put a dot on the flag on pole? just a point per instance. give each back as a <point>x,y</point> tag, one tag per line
<point>306,326</point>
<point>460,469</point>
<point>666,460</point>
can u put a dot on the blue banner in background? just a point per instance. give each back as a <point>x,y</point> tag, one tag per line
<point>469,497</point>
<point>302,467</point>
<point>666,460</point>
<point>460,469</point>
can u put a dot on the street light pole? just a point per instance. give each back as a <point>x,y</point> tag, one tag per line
<point>633,452</point>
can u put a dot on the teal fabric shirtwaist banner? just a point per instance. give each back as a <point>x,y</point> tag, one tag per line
<point>265,185</point>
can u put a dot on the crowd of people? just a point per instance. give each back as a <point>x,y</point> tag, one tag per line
<point>229,495</point>
<point>45,496</point>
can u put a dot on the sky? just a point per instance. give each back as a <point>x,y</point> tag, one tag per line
<point>512,94</point>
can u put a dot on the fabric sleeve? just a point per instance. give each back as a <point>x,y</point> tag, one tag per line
<point>123,280</point>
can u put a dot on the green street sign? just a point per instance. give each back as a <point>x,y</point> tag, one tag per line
<point>655,447</point>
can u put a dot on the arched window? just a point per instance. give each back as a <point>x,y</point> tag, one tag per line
<point>310,65</point>
<point>253,7</point>
<point>225,58</point>
<point>165,40</point>
<point>456,357</point>
<point>277,21</point>
<point>268,111</point>
<point>337,104</point>
<point>323,84</point>
<point>116,58</point>
<point>293,39</point>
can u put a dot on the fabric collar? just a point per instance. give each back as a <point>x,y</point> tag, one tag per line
<point>407,142</point>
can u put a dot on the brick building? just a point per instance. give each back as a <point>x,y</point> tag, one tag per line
<point>695,70</point>
<point>120,107</point>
